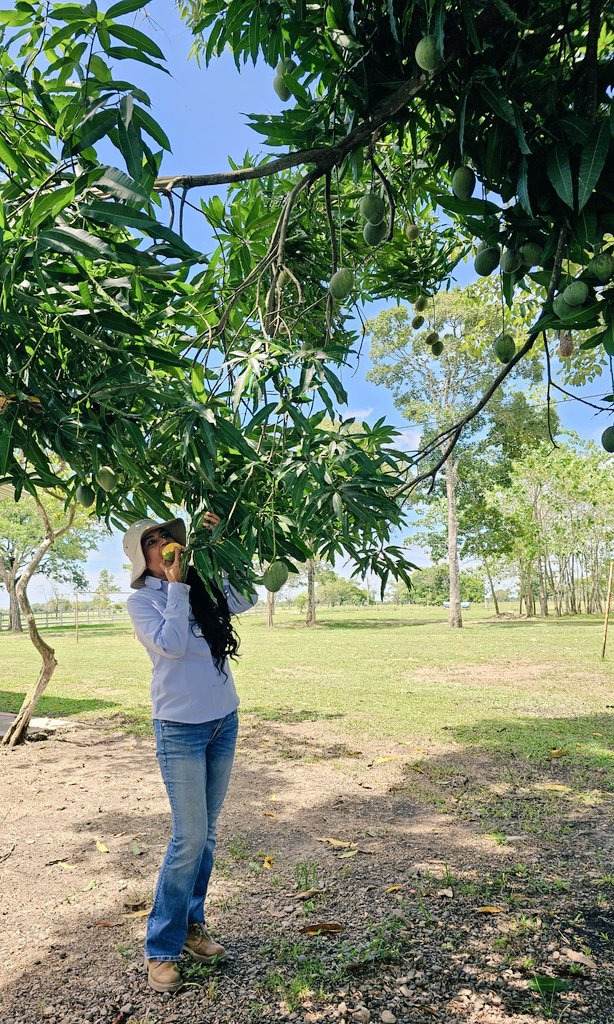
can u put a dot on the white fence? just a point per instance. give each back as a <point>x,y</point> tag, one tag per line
<point>87,616</point>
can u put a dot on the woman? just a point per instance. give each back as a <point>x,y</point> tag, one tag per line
<point>189,638</point>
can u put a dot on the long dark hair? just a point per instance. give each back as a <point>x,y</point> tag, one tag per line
<point>213,619</point>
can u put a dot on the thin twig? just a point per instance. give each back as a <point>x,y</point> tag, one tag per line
<point>454,432</point>
<point>549,390</point>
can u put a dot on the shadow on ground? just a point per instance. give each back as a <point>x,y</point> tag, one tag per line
<point>424,888</point>
<point>53,707</point>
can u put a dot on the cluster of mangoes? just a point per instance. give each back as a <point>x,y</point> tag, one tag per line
<point>106,480</point>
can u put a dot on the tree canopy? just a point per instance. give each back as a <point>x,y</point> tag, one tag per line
<point>202,379</point>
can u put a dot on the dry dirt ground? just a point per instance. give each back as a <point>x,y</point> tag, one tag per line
<point>435,919</point>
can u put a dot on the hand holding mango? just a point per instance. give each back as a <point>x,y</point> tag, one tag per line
<point>175,559</point>
<point>168,551</point>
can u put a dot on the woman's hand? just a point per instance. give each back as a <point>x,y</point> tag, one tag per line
<point>211,520</point>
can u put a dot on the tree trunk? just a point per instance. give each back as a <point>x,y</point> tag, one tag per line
<point>14,613</point>
<point>492,587</point>
<point>455,617</point>
<point>311,593</point>
<point>17,731</point>
<point>270,608</point>
<point>543,589</point>
<point>10,584</point>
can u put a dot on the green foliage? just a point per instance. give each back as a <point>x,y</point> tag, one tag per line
<point>122,350</point>
<point>194,377</point>
<point>431,586</point>
<point>549,160</point>
<point>22,531</point>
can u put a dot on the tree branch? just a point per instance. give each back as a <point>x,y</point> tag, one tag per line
<point>324,157</point>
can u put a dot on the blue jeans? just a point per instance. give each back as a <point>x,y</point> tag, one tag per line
<point>196,762</point>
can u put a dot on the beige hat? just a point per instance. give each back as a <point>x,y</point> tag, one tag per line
<point>133,546</point>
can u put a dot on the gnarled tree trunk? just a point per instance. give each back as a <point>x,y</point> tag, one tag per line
<point>18,729</point>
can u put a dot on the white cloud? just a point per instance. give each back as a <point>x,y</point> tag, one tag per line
<point>359,414</point>
<point>409,439</point>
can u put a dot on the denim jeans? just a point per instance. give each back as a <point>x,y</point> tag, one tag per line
<point>196,762</point>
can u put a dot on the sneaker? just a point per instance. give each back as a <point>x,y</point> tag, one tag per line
<point>200,946</point>
<point>163,975</point>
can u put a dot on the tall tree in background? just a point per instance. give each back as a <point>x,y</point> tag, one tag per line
<point>559,514</point>
<point>24,529</point>
<point>54,527</point>
<point>435,391</point>
<point>105,587</point>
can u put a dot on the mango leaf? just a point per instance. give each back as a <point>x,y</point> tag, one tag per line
<point>337,844</point>
<point>559,172</point>
<point>74,241</point>
<point>592,161</point>
<point>125,7</point>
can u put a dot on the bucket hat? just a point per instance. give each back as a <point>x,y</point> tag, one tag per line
<point>133,544</point>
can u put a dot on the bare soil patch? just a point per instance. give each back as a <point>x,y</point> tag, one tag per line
<point>443,919</point>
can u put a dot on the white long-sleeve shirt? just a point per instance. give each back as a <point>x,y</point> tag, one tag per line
<point>186,685</point>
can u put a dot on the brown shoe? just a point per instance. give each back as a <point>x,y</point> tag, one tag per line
<point>163,975</point>
<point>200,946</point>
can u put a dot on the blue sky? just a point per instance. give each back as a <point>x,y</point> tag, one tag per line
<point>203,113</point>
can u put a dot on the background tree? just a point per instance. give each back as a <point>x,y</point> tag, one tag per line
<point>57,522</point>
<point>24,527</point>
<point>106,586</point>
<point>559,513</point>
<point>435,391</point>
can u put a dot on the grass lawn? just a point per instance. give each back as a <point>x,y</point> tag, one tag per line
<point>519,687</point>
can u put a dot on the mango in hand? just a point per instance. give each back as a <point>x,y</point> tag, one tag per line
<point>168,551</point>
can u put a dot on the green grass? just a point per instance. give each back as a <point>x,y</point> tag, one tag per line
<point>514,687</point>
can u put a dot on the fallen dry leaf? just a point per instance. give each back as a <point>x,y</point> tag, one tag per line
<point>347,853</point>
<point>137,913</point>
<point>136,849</point>
<point>490,910</point>
<point>108,923</point>
<point>395,888</point>
<point>67,867</point>
<point>270,814</point>
<point>323,928</point>
<point>306,894</point>
<point>90,885</point>
<point>579,958</point>
<point>268,862</point>
<point>554,787</point>
<point>558,752</point>
<point>135,904</point>
<point>445,892</point>
<point>101,847</point>
<point>384,760</point>
<point>335,843</point>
